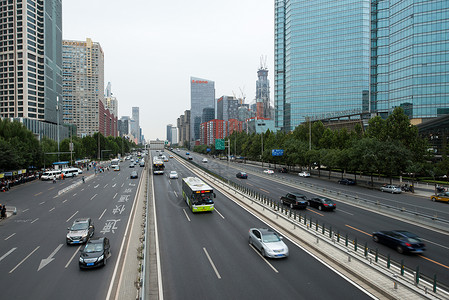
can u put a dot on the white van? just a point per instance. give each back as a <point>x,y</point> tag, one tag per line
<point>49,175</point>
<point>70,172</point>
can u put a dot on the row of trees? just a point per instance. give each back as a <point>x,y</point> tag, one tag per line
<point>389,146</point>
<point>21,149</point>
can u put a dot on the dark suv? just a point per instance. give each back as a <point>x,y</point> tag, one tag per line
<point>95,253</point>
<point>295,200</point>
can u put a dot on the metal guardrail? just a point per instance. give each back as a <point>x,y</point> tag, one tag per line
<point>333,236</point>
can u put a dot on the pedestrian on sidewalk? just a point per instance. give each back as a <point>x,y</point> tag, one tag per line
<point>3,212</point>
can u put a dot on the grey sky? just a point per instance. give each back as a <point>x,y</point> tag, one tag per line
<point>153,47</point>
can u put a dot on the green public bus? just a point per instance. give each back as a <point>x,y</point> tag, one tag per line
<point>197,194</point>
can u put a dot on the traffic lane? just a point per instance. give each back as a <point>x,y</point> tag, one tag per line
<point>214,235</point>
<point>39,253</point>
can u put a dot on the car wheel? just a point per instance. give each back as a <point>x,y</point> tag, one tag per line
<point>291,205</point>
<point>376,238</point>
<point>400,249</point>
<point>320,208</point>
<point>433,199</point>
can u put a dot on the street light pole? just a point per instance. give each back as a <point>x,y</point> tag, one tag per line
<point>57,116</point>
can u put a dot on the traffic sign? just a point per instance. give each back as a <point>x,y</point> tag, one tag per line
<point>219,144</point>
<point>277,152</point>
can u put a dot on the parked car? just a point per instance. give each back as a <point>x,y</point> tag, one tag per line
<point>322,203</point>
<point>304,174</point>
<point>295,200</point>
<point>347,181</point>
<point>402,241</point>
<point>242,175</point>
<point>50,175</point>
<point>173,175</point>
<point>390,188</point>
<point>444,197</point>
<point>95,253</point>
<point>268,242</point>
<point>283,170</point>
<point>80,232</point>
<point>268,171</point>
<point>133,175</point>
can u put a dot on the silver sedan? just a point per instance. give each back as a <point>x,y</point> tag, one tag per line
<point>268,242</point>
<point>390,188</point>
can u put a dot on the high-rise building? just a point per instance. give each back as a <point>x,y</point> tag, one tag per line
<point>169,132</point>
<point>135,128</point>
<point>227,108</point>
<point>202,95</point>
<point>183,123</point>
<point>83,85</point>
<point>341,57</point>
<point>31,64</point>
<point>174,136</point>
<point>263,93</point>
<point>124,125</point>
<point>322,58</point>
<point>208,114</point>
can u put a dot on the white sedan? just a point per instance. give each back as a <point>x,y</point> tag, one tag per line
<point>304,174</point>
<point>268,171</point>
<point>173,175</point>
<point>204,160</point>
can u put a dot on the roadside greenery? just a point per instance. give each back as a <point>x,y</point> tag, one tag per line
<point>21,149</point>
<point>389,147</point>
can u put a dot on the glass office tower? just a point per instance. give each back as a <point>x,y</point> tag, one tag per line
<point>202,95</point>
<point>410,57</point>
<point>322,59</point>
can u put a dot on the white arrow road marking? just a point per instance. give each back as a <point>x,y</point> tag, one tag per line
<point>49,259</point>
<point>114,184</point>
<point>7,253</point>
<point>96,186</point>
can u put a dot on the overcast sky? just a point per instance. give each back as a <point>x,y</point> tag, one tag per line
<point>153,47</point>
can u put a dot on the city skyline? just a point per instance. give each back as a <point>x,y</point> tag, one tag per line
<point>158,70</point>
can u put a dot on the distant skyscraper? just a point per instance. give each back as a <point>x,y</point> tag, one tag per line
<point>83,70</point>
<point>208,114</point>
<point>169,132</point>
<point>135,129</point>
<point>124,125</point>
<point>183,123</point>
<point>108,90</point>
<point>227,108</point>
<point>202,95</point>
<point>263,92</point>
<point>31,63</point>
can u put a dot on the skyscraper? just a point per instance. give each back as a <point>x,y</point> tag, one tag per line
<point>227,108</point>
<point>83,70</point>
<point>135,128</point>
<point>263,92</point>
<point>202,95</point>
<point>31,63</point>
<point>322,58</point>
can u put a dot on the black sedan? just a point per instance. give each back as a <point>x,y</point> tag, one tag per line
<point>133,175</point>
<point>347,181</point>
<point>402,241</point>
<point>294,200</point>
<point>95,253</point>
<point>242,175</point>
<point>322,203</point>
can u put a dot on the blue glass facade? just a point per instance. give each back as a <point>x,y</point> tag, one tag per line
<point>202,95</point>
<point>325,63</point>
<point>410,57</point>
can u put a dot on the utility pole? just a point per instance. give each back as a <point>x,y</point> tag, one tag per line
<point>57,116</point>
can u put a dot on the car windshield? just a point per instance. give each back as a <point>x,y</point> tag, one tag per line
<point>93,247</point>
<point>79,226</point>
<point>242,173</point>
<point>173,172</point>
<point>270,238</point>
<point>327,201</point>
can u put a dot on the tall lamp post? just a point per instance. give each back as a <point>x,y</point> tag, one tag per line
<point>57,116</point>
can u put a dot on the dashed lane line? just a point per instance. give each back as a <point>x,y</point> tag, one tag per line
<point>13,269</point>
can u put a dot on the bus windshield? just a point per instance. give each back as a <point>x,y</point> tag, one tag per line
<point>202,199</point>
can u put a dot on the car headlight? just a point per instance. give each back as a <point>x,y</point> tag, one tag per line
<point>81,259</point>
<point>101,258</point>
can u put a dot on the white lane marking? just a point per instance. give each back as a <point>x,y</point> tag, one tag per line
<point>114,184</point>
<point>271,266</point>
<point>102,214</point>
<point>74,195</point>
<point>25,210</point>
<point>71,258</point>
<point>96,186</point>
<point>64,201</point>
<point>82,190</point>
<point>42,203</point>
<point>34,220</point>
<point>12,270</point>
<point>93,196</point>
<point>219,214</point>
<point>71,216</point>
<point>345,212</point>
<point>106,185</point>
<point>114,196</point>
<point>435,243</point>
<point>7,253</point>
<point>175,194</point>
<point>49,259</point>
<point>184,210</point>
<point>212,263</point>
<point>10,236</point>
<point>123,184</point>
<point>52,209</point>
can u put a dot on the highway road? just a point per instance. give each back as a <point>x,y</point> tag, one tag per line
<point>207,255</point>
<point>35,261</point>
<point>356,222</point>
